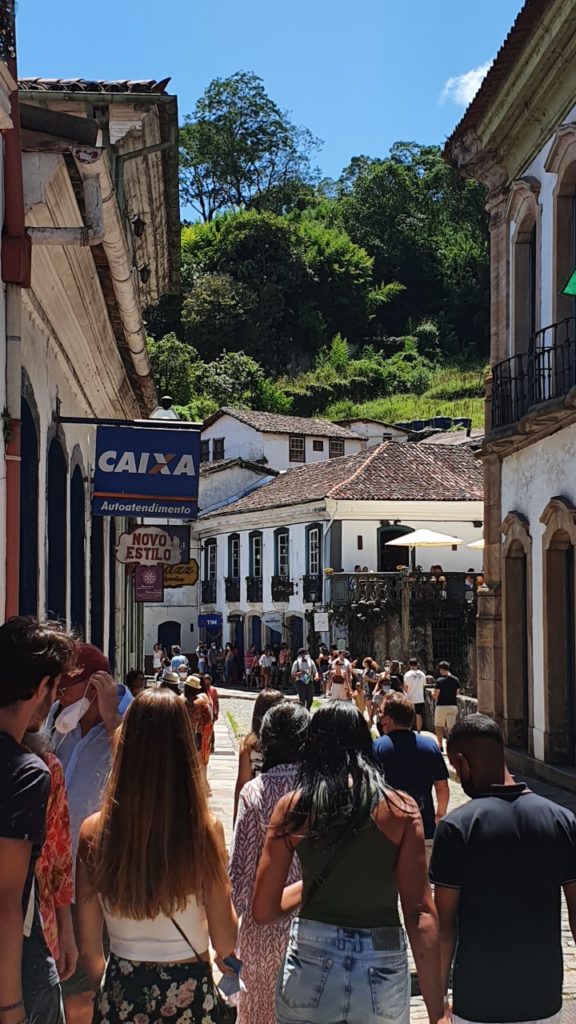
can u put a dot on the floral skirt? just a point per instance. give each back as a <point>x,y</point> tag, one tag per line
<point>146,993</point>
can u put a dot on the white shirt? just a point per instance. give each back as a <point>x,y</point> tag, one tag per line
<point>304,665</point>
<point>157,940</point>
<point>414,683</point>
<point>266,661</point>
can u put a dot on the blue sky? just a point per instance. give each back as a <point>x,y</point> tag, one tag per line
<point>360,76</point>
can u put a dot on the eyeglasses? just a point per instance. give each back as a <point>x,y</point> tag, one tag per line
<point>63,687</point>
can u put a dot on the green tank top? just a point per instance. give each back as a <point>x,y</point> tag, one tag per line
<point>360,890</point>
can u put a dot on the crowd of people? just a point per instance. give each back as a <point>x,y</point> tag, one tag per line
<point>115,882</point>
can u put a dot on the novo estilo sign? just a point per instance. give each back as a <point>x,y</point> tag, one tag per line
<point>150,472</point>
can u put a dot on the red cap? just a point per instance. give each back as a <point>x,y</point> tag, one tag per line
<point>89,659</point>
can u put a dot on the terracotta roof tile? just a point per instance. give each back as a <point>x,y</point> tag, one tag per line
<point>148,85</point>
<point>393,471</point>
<point>222,464</point>
<point>275,423</point>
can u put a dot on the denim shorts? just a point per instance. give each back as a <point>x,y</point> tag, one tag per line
<point>333,975</point>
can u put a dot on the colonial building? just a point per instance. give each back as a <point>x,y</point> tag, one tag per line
<point>518,137</point>
<point>100,196</point>
<point>290,545</point>
<point>279,441</point>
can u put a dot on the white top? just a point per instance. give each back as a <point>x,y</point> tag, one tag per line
<point>414,683</point>
<point>304,664</point>
<point>157,940</point>
<point>157,657</point>
<point>339,690</point>
<point>266,661</point>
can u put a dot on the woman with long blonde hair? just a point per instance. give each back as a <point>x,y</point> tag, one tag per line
<point>152,866</point>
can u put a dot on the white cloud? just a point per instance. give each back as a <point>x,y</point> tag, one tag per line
<point>462,88</point>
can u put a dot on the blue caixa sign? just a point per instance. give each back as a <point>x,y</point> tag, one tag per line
<point>146,472</point>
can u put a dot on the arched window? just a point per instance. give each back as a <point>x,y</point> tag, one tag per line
<point>558,545</point>
<point>390,558</point>
<point>29,452</point>
<point>97,582</point>
<point>57,531</point>
<point>112,593</point>
<point>256,552</point>
<point>282,552</point>
<point>524,290</point>
<point>234,556</point>
<point>210,559</point>
<point>314,534</point>
<point>565,234</point>
<point>517,631</point>
<point>169,633</point>
<point>77,552</point>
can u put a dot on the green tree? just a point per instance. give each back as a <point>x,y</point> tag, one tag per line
<point>264,287</point>
<point>238,146</point>
<point>214,313</point>
<point>174,367</point>
<point>302,281</point>
<point>425,228</point>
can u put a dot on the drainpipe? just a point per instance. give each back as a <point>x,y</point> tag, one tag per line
<point>120,263</point>
<point>105,227</point>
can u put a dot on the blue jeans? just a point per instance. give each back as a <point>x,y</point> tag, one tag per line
<point>334,975</point>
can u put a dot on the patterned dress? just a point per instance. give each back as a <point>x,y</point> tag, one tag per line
<point>54,865</point>
<point>261,948</point>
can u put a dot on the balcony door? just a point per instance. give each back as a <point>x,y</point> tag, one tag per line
<point>390,558</point>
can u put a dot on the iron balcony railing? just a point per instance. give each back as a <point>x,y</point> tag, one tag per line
<point>312,587</point>
<point>232,584</point>
<point>208,591</point>
<point>282,588</point>
<point>254,589</point>
<point>546,371</point>
<point>386,587</point>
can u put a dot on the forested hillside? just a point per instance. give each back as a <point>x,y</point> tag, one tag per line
<point>369,293</point>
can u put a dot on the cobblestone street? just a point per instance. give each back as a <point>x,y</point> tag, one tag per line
<point>234,722</point>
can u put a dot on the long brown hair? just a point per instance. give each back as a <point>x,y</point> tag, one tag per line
<point>265,700</point>
<point>156,842</point>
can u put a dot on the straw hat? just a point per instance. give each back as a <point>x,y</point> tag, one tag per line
<point>194,682</point>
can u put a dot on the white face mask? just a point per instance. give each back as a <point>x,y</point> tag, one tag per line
<point>69,717</point>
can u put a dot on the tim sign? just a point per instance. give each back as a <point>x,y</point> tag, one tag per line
<point>146,472</point>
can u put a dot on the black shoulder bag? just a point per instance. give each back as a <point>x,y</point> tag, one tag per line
<point>223,1012</point>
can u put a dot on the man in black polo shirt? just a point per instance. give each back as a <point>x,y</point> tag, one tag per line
<point>32,658</point>
<point>445,695</point>
<point>498,865</point>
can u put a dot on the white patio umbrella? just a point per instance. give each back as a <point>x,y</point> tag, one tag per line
<point>477,545</point>
<point>424,539</point>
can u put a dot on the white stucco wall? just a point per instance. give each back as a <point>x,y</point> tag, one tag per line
<point>529,479</point>
<point>373,432</point>
<point>242,441</point>
<point>430,517</point>
<point>223,485</point>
